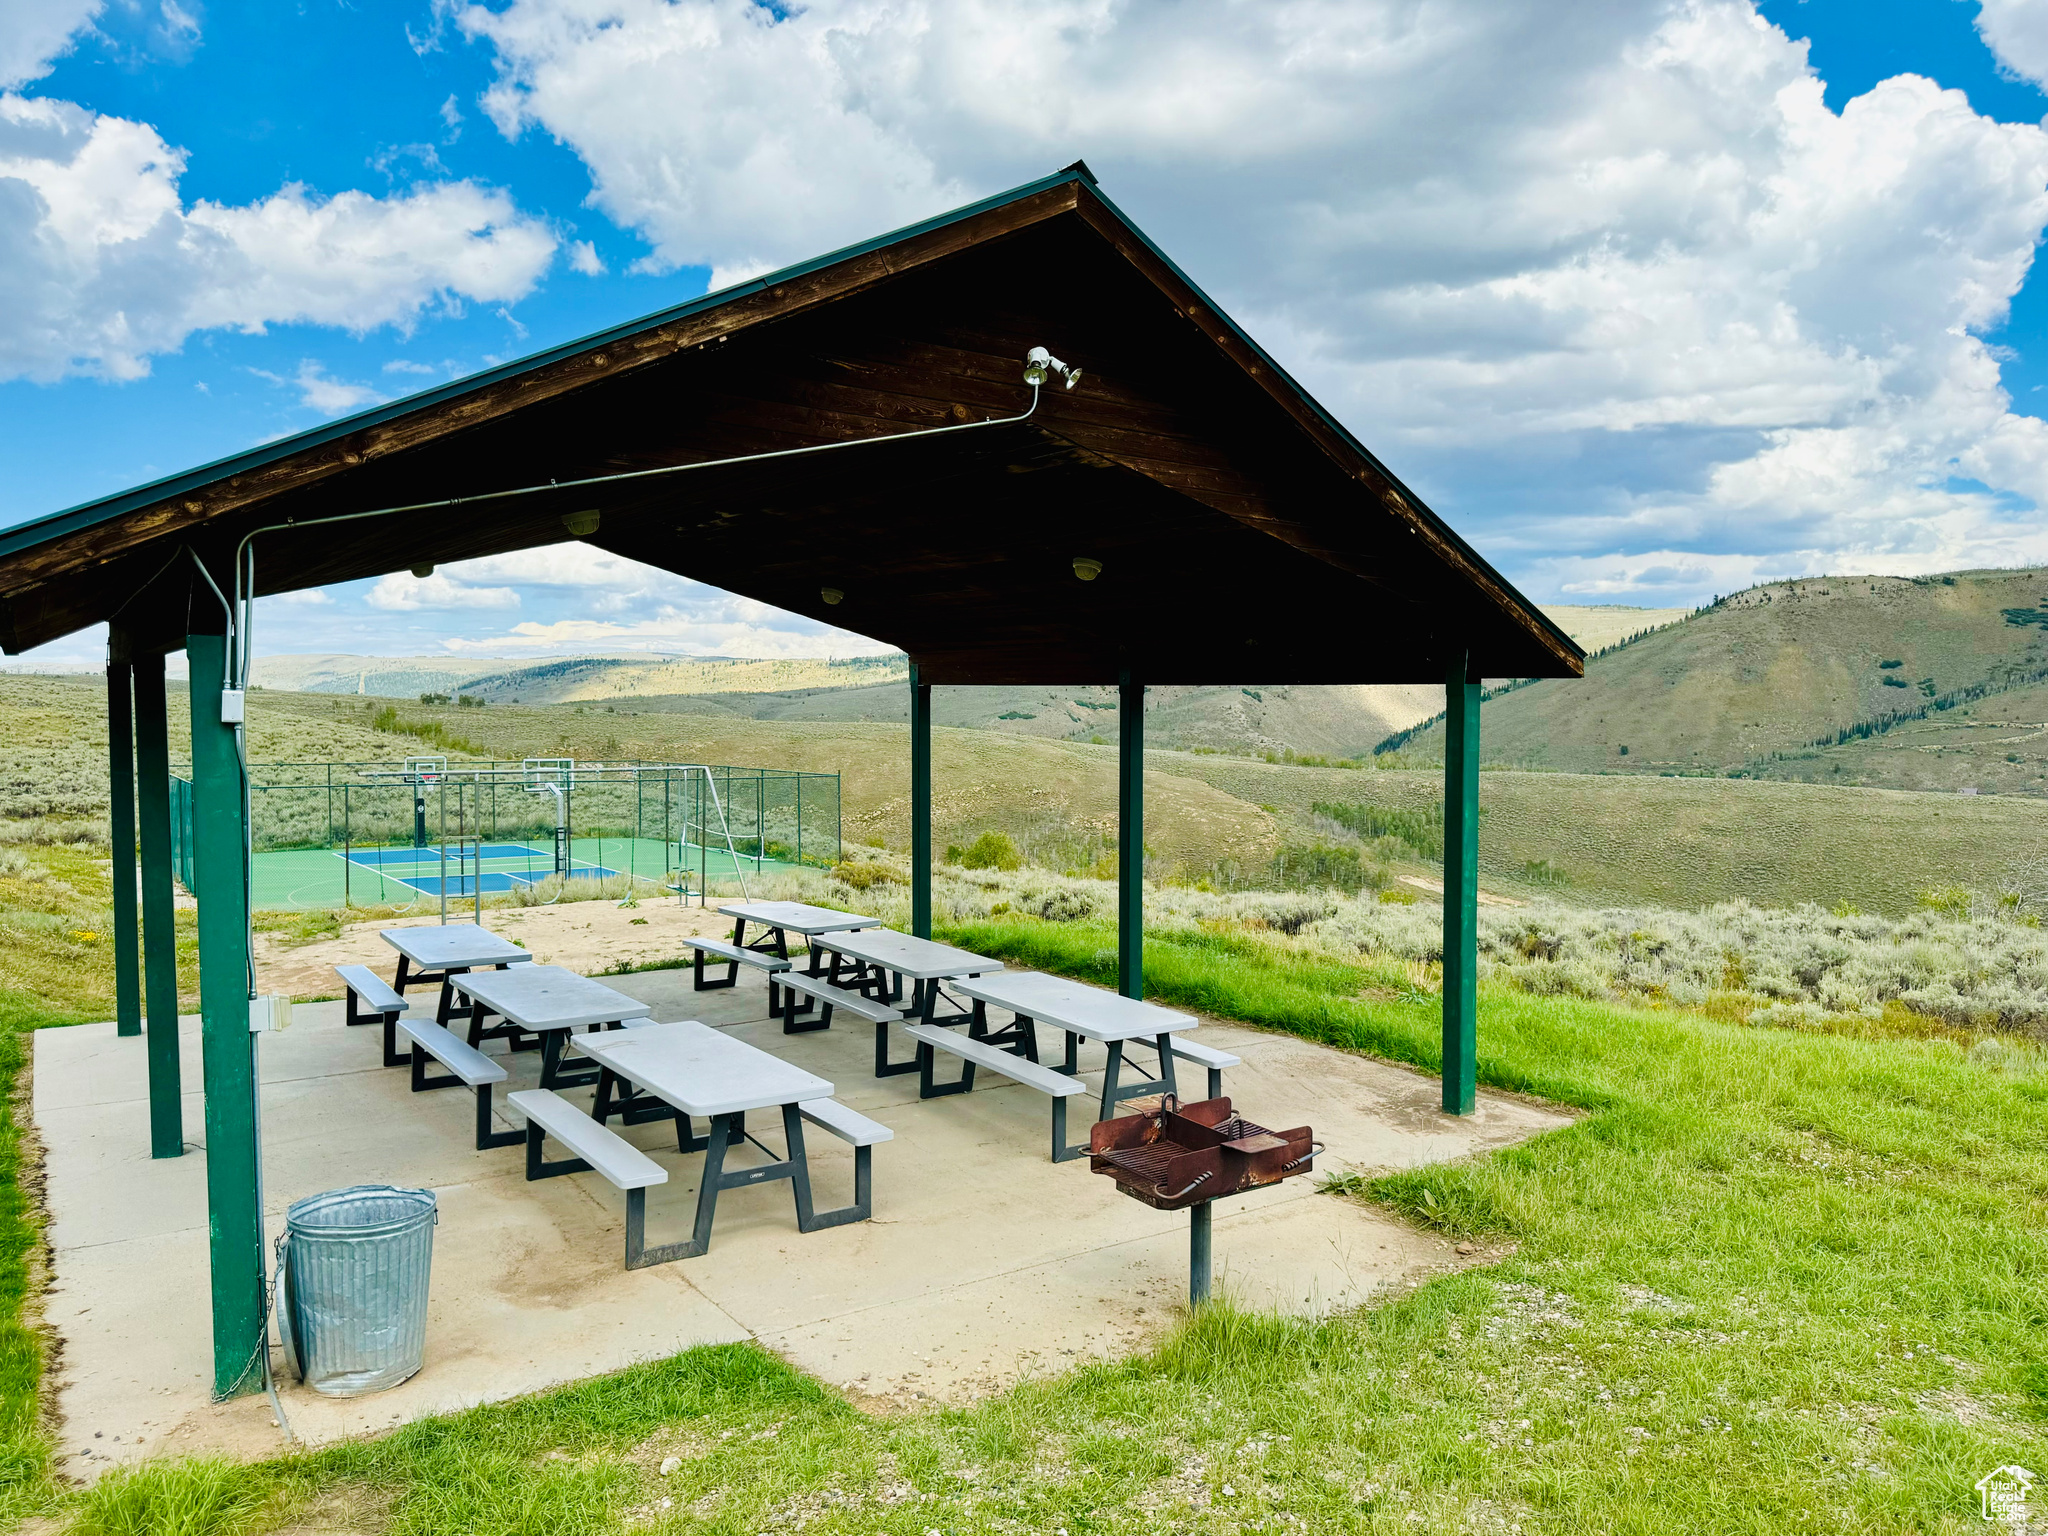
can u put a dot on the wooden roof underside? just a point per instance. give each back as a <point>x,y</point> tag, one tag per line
<point>1243,536</point>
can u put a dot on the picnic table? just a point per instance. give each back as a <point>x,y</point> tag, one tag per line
<point>549,1001</point>
<point>884,959</point>
<point>1085,1013</point>
<point>445,951</point>
<point>779,919</point>
<point>699,1071</point>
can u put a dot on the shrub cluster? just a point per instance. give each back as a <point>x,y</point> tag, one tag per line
<point>1972,965</point>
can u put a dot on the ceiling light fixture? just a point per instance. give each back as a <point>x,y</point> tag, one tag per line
<point>832,595</point>
<point>581,524</point>
<point>1087,569</point>
<point>424,571</point>
<point>1038,363</point>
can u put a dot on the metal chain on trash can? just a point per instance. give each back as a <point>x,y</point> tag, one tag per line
<point>262,1350</point>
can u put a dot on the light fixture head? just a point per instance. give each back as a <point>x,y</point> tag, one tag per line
<point>581,524</point>
<point>832,595</point>
<point>1086,569</point>
<point>424,571</point>
<point>1039,364</point>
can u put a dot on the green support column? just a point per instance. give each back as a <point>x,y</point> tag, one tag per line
<point>227,1047</point>
<point>920,804</point>
<point>1130,836</point>
<point>159,911</point>
<point>1461,885</point>
<point>121,831</point>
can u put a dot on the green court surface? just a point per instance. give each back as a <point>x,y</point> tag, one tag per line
<point>320,877</point>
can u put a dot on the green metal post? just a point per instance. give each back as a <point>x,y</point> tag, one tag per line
<point>159,911</point>
<point>227,1048</point>
<point>1130,836</point>
<point>1461,885</point>
<point>121,830</point>
<point>920,804</point>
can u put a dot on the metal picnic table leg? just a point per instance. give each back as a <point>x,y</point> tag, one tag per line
<point>922,1001</point>
<point>1164,1045</point>
<point>554,1045</point>
<point>1109,1077</point>
<point>808,1217</point>
<point>725,1130</point>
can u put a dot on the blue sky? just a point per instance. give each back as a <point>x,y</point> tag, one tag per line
<point>1651,300</point>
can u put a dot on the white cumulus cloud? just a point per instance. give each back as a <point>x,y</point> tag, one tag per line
<point>104,264</point>
<point>35,33</point>
<point>1614,273</point>
<point>2017,31</point>
<point>402,592</point>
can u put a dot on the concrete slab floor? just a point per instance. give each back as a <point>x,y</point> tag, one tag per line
<point>985,1262</point>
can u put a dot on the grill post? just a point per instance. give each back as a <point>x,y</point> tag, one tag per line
<point>1198,1252</point>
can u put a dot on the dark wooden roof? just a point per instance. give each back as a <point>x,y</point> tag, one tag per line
<point>1244,534</point>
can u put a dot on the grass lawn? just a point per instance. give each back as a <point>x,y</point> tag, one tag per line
<point>1771,1282</point>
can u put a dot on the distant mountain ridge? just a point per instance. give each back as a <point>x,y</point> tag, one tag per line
<point>562,680</point>
<point>1920,682</point>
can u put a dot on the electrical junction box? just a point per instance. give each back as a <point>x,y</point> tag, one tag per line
<point>232,706</point>
<point>269,1014</point>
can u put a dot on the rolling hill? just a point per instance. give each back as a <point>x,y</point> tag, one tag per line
<point>1597,838</point>
<point>1323,721</point>
<point>1929,682</point>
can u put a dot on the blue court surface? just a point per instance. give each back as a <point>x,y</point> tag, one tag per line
<point>431,854</point>
<point>503,867</point>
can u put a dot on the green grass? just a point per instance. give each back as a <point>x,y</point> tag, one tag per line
<point>1769,1282</point>
<point>1636,839</point>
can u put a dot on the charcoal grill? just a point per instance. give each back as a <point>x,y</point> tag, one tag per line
<point>1174,1156</point>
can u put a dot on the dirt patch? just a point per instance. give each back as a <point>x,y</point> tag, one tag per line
<point>588,937</point>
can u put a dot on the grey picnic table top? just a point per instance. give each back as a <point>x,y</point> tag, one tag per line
<point>798,917</point>
<point>436,948</point>
<point>701,1071</point>
<point>539,997</point>
<point>1086,1011</point>
<point>906,955</point>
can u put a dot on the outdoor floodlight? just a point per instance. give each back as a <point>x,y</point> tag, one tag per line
<point>1038,363</point>
<point>424,571</point>
<point>1087,569</point>
<point>832,595</point>
<point>581,524</point>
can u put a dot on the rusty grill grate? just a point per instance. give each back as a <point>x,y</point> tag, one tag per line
<point>1144,1162</point>
<point>1176,1155</point>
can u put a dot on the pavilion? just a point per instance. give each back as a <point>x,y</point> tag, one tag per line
<point>852,438</point>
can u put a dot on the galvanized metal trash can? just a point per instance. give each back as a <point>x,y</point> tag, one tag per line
<point>352,1278</point>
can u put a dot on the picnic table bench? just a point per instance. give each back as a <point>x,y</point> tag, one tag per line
<point>884,959</point>
<point>441,952</point>
<point>932,1038</point>
<point>777,920</point>
<point>550,1002</point>
<point>1085,1013</point>
<point>371,1000</point>
<point>467,1067</point>
<point>698,1071</point>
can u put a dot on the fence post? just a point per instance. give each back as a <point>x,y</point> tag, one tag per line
<point>159,909</point>
<point>121,830</point>
<point>227,1047</point>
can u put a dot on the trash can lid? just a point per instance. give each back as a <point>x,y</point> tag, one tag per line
<point>360,1210</point>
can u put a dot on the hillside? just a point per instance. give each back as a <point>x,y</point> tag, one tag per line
<point>1324,721</point>
<point>1583,838</point>
<point>1681,842</point>
<point>565,679</point>
<point>1751,684</point>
